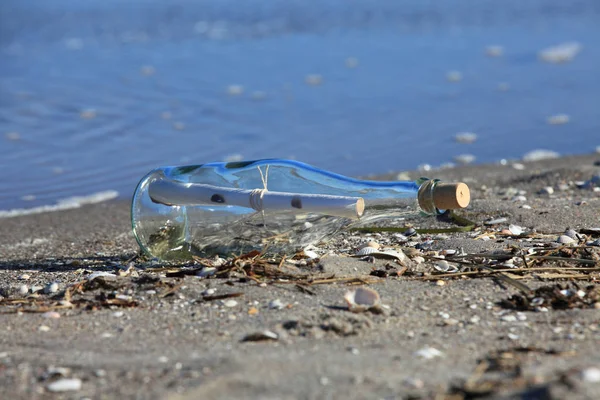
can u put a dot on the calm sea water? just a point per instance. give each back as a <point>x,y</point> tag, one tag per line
<point>95,93</point>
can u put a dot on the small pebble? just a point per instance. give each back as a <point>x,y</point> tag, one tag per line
<point>235,90</point>
<point>23,277</point>
<point>209,292</point>
<point>454,76</point>
<point>23,290</point>
<point>88,114</point>
<point>276,304</point>
<point>44,328</point>
<point>351,62</point>
<point>313,79</point>
<point>558,119</point>
<point>12,136</point>
<point>428,353</point>
<point>465,137</point>
<point>540,154</point>
<point>494,51</point>
<point>547,190</point>
<point>260,336</point>
<point>495,221</point>
<point>230,303</point>
<point>51,288</point>
<point>519,198</point>
<point>51,315</point>
<point>591,374</point>
<point>464,159</point>
<point>65,385</point>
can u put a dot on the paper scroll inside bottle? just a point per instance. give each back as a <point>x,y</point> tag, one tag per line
<point>172,193</point>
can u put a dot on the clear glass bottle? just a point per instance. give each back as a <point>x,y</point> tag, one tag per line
<point>273,205</point>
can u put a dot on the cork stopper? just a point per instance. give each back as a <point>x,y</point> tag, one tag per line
<point>450,196</point>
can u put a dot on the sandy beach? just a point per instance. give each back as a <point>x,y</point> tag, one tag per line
<point>143,330</point>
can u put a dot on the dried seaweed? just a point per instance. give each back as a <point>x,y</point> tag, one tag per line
<point>556,296</point>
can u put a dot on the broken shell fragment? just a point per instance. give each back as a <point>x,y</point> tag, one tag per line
<point>260,336</point>
<point>362,299</point>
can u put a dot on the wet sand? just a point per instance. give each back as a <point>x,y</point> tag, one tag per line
<point>144,335</point>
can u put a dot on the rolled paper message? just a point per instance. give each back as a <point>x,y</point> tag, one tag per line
<point>171,193</point>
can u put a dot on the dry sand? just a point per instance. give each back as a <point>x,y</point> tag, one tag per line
<point>183,347</point>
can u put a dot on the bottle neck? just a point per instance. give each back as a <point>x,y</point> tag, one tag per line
<point>425,196</point>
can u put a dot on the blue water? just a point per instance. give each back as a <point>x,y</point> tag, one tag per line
<point>95,93</point>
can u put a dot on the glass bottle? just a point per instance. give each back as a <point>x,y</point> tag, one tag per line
<point>272,205</point>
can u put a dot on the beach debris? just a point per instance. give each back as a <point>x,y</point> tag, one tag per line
<point>65,385</point>
<point>465,137</point>
<point>558,119</point>
<point>23,277</point>
<point>445,266</point>
<point>235,90</point>
<point>496,221</point>
<point>515,229</point>
<point>494,51</point>
<point>89,113</point>
<point>454,76</point>
<point>51,315</point>
<point>12,136</point>
<point>23,290</point>
<point>591,374</point>
<point>555,296</point>
<point>313,79</point>
<point>310,254</point>
<point>147,70</point>
<point>564,239</point>
<point>276,304</point>
<point>368,251</point>
<point>540,154</point>
<point>261,336</point>
<point>351,62</point>
<point>363,299</point>
<point>428,353</point>
<point>560,53</point>
<point>51,288</point>
<point>465,159</point>
<point>229,303</point>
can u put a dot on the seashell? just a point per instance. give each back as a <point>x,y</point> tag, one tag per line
<point>564,239</point>
<point>464,159</point>
<point>445,266</point>
<point>365,251</point>
<point>65,385</point>
<point>465,137</point>
<point>410,232</point>
<point>260,336</point>
<point>515,229</point>
<point>571,233</point>
<point>362,299</point>
<point>540,154</point>
<point>496,221</point>
<point>428,353</point>
<point>310,254</point>
<point>207,271</point>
